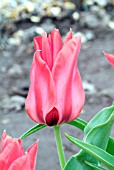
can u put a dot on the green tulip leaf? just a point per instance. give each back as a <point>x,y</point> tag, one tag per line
<point>33,130</point>
<point>98,153</point>
<point>96,133</point>
<point>110,146</point>
<point>79,123</point>
<point>76,162</point>
<point>97,124</point>
<point>99,119</point>
<point>94,166</point>
<point>99,133</point>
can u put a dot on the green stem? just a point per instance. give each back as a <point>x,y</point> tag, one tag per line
<point>59,147</point>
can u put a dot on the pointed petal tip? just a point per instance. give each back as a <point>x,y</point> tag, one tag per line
<point>66,135</point>
<point>45,34</point>
<point>4,134</point>
<point>70,30</point>
<point>56,29</point>
<point>68,36</point>
<point>109,57</point>
<point>104,52</point>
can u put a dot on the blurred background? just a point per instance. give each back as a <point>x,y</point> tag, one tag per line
<point>20,21</point>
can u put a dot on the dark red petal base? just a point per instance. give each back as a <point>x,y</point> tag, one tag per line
<point>52,117</point>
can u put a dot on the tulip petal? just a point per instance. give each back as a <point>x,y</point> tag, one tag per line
<point>32,152</point>
<point>27,161</point>
<point>41,43</point>
<point>6,139</point>
<point>55,41</point>
<point>68,37</point>
<point>21,163</point>
<point>46,51</point>
<point>110,58</point>
<point>38,43</point>
<point>10,153</point>
<point>78,95</point>
<point>41,96</point>
<point>64,69</point>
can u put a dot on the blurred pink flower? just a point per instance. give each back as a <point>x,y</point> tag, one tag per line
<point>12,156</point>
<point>110,58</point>
<point>56,93</point>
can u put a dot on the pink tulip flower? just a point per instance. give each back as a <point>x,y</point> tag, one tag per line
<point>12,156</point>
<point>110,58</point>
<point>56,93</point>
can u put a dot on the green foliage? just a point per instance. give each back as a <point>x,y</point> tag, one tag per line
<point>96,141</point>
<point>79,123</point>
<point>33,130</point>
<point>96,152</point>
